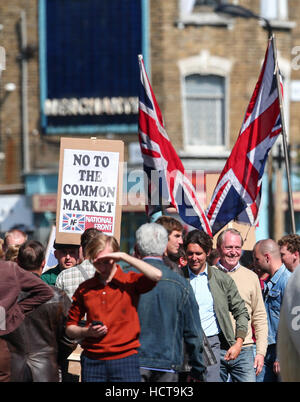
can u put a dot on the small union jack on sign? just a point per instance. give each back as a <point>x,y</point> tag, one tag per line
<point>73,223</point>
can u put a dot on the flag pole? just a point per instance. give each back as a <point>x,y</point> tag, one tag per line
<point>284,138</point>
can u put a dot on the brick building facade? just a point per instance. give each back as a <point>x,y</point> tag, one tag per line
<point>222,56</point>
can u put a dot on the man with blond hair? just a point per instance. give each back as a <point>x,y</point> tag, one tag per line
<point>245,367</point>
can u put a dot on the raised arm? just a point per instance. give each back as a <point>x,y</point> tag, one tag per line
<point>148,270</point>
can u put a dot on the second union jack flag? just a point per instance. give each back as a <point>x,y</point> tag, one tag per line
<point>238,190</point>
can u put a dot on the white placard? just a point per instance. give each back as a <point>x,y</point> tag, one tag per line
<point>88,191</point>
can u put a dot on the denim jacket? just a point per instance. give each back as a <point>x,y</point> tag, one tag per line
<point>168,315</point>
<point>273,296</point>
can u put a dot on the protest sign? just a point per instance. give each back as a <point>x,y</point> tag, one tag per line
<point>50,258</point>
<point>89,188</point>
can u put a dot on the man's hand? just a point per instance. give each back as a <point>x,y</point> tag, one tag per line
<point>234,351</point>
<point>258,363</point>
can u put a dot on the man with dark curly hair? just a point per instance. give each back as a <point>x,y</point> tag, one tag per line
<point>290,251</point>
<point>217,296</point>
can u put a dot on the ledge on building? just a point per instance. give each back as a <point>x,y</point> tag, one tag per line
<point>215,19</point>
<point>280,24</point>
<point>208,18</point>
<point>217,153</point>
<point>213,162</point>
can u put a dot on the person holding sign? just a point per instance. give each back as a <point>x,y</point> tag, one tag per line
<point>109,300</point>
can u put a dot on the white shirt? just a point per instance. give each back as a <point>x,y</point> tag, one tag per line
<point>205,302</point>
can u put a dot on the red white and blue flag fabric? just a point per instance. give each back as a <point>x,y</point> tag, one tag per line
<point>238,190</point>
<point>167,182</point>
<point>73,222</point>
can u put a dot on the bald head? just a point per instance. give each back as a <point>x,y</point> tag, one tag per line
<point>269,246</point>
<point>14,237</point>
<point>266,255</point>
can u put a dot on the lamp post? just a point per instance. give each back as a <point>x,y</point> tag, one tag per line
<point>240,11</point>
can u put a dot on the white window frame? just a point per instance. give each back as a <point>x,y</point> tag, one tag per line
<point>205,64</point>
<point>277,13</point>
<point>274,9</point>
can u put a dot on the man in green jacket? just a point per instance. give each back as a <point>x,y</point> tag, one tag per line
<point>217,296</point>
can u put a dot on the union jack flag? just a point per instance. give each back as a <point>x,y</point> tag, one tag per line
<point>238,190</point>
<point>167,181</point>
<point>73,222</point>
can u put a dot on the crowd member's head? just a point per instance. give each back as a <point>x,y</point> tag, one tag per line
<point>266,256</point>
<point>198,246</point>
<point>214,257</point>
<point>98,247</point>
<point>86,237</point>
<point>247,259</point>
<point>182,257</point>
<point>174,229</point>
<point>14,237</point>
<point>31,256</point>
<point>229,246</point>
<point>290,251</point>
<point>11,253</point>
<point>151,240</point>
<point>67,255</point>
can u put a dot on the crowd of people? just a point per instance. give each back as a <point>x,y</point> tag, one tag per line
<point>178,310</point>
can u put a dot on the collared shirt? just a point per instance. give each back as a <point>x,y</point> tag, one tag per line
<point>115,304</point>
<point>205,302</point>
<point>222,268</point>
<point>69,279</point>
<point>273,295</point>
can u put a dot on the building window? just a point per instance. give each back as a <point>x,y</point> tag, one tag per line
<point>200,12</point>
<point>196,6</point>
<point>205,99</point>
<point>205,110</point>
<point>274,9</point>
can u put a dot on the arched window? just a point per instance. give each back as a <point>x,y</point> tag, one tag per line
<point>205,99</point>
<point>205,110</point>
